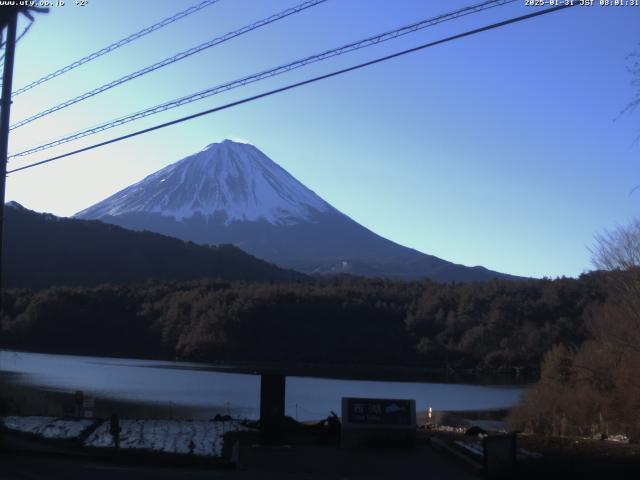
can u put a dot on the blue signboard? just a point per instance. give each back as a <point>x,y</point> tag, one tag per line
<point>372,411</point>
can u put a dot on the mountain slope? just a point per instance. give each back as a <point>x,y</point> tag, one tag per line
<point>232,193</point>
<point>41,250</point>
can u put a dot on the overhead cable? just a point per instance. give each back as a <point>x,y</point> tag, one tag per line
<point>367,42</point>
<point>113,46</point>
<point>296,85</point>
<point>168,61</point>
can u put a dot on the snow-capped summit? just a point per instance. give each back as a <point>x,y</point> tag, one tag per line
<point>229,179</point>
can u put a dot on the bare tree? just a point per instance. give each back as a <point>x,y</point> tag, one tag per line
<point>595,388</point>
<point>618,251</point>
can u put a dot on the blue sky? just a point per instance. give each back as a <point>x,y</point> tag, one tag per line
<point>503,149</point>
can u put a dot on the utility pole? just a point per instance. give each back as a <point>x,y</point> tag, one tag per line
<point>5,113</point>
<point>8,19</point>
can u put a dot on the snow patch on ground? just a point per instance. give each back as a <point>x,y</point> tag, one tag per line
<point>197,437</point>
<point>48,427</point>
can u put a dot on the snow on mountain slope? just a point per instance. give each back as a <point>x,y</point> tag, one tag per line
<point>232,179</point>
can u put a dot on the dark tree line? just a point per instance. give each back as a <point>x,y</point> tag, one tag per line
<point>489,326</point>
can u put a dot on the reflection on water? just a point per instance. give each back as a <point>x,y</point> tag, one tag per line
<point>189,386</point>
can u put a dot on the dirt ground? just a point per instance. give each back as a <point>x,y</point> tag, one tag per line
<point>569,457</point>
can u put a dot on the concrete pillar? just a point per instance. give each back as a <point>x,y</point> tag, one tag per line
<point>272,402</point>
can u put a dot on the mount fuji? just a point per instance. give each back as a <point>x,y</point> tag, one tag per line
<point>231,192</point>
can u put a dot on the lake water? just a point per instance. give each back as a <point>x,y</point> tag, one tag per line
<point>191,386</point>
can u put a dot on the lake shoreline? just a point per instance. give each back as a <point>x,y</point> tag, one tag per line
<point>382,372</point>
<point>36,383</point>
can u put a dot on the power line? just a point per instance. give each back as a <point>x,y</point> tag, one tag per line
<point>118,44</point>
<point>299,84</point>
<point>24,32</point>
<point>241,82</point>
<point>265,74</point>
<point>175,58</point>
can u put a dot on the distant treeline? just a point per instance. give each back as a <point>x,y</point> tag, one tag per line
<point>489,326</point>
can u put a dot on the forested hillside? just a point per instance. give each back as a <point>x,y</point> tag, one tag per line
<point>42,250</point>
<point>490,326</point>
